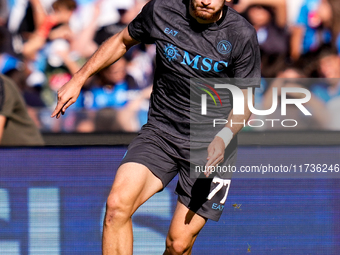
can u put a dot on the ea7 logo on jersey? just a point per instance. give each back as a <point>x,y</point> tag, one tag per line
<point>224,47</point>
<point>170,31</point>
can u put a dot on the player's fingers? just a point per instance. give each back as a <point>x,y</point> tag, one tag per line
<point>216,161</point>
<point>215,158</point>
<point>210,161</point>
<point>207,172</point>
<point>210,168</point>
<point>58,115</point>
<point>213,161</point>
<point>57,109</point>
<point>208,165</point>
<point>67,105</point>
<point>210,152</point>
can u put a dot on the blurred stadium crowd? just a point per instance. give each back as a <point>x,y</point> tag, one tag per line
<point>44,42</point>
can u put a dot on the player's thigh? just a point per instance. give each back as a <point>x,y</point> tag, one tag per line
<point>185,225</point>
<point>134,183</point>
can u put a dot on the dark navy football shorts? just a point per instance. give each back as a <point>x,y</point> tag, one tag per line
<point>166,157</point>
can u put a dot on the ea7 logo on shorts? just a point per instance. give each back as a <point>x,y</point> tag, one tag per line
<point>217,207</point>
<point>224,47</point>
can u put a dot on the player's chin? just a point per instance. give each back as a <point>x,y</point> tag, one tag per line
<point>204,15</point>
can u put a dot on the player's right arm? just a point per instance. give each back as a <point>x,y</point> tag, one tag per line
<point>109,52</point>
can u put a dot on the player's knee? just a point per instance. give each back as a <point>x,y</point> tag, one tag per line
<point>177,246</point>
<point>117,210</point>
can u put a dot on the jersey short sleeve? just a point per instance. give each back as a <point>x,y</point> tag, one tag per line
<point>247,63</point>
<point>140,28</point>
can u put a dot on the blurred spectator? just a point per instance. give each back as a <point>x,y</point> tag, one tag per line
<point>269,20</point>
<point>111,23</point>
<point>293,9</point>
<point>63,10</point>
<point>106,120</point>
<point>84,25</point>
<point>330,15</point>
<point>8,62</point>
<point>55,48</point>
<point>15,69</point>
<point>140,57</point>
<point>329,90</point>
<point>3,12</point>
<point>293,77</point>
<point>104,32</point>
<point>84,121</point>
<point>318,23</point>
<point>279,7</point>
<point>141,65</point>
<point>16,127</point>
<point>109,87</point>
<point>54,44</point>
<point>115,89</point>
<point>329,67</point>
<point>48,46</point>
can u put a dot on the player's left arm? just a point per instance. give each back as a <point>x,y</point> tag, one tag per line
<point>217,147</point>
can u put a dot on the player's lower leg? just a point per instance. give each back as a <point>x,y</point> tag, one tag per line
<point>117,231</point>
<point>183,231</point>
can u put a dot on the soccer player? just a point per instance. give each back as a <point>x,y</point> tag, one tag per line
<point>194,38</point>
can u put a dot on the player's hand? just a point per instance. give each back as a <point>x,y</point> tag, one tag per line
<point>215,153</point>
<point>67,95</point>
